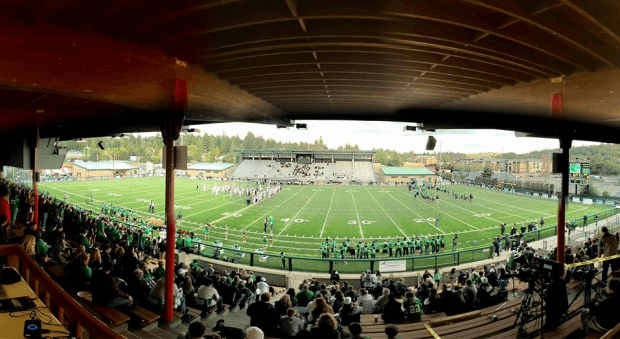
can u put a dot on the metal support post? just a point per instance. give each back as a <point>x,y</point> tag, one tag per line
<point>565,145</point>
<point>35,159</point>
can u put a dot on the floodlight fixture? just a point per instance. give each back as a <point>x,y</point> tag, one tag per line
<point>409,129</point>
<point>302,127</point>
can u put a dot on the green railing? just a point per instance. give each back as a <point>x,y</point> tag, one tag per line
<point>349,265</point>
<point>354,265</point>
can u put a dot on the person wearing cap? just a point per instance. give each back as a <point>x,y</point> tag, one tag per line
<point>262,286</point>
<point>349,312</point>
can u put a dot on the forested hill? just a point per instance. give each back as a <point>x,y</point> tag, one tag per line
<point>211,148</point>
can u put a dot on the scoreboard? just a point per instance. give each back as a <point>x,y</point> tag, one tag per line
<point>579,172</point>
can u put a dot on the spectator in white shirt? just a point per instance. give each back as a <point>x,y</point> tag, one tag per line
<point>208,292</point>
<point>366,302</point>
<point>262,287</point>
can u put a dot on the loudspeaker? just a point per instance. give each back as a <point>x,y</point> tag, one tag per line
<point>557,160</point>
<point>430,143</point>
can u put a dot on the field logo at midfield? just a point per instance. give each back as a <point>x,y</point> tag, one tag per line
<point>226,214</point>
<point>143,200</point>
<point>363,222</point>
<point>115,195</point>
<point>297,221</point>
<point>482,215</point>
<point>183,207</point>
<point>93,190</point>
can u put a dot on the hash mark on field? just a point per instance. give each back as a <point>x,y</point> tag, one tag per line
<point>302,208</point>
<point>327,215</point>
<point>401,231</point>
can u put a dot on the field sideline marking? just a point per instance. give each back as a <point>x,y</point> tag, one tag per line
<point>373,197</point>
<point>444,212</point>
<point>302,208</point>
<point>419,216</point>
<point>327,215</point>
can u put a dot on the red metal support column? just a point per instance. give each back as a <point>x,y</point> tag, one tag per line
<point>35,155</point>
<point>565,145</point>
<point>171,130</point>
<point>170,230</point>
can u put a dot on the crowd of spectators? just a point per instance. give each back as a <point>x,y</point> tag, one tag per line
<point>333,310</point>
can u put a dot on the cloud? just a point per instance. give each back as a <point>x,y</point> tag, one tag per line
<point>389,135</point>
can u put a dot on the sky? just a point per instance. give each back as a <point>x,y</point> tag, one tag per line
<point>390,135</point>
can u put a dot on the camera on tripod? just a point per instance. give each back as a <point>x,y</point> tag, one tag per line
<point>530,268</point>
<point>584,273</point>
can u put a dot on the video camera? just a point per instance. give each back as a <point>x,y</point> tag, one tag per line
<point>530,268</point>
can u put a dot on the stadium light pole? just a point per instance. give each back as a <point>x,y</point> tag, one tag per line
<point>565,145</point>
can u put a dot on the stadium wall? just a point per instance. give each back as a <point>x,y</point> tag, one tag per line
<point>404,178</point>
<point>213,174</point>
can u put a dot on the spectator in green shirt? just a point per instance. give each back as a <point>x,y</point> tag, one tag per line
<point>160,271</point>
<point>390,246</point>
<point>82,239</point>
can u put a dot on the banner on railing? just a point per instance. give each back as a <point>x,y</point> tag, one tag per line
<point>587,201</point>
<point>610,203</point>
<point>393,266</point>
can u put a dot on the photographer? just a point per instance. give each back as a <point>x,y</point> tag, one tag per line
<point>601,316</point>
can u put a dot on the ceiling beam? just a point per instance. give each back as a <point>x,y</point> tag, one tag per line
<point>469,18</point>
<point>414,70</point>
<point>578,38</point>
<point>602,13</point>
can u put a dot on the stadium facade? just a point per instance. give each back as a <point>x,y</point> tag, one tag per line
<point>305,167</point>
<point>210,170</point>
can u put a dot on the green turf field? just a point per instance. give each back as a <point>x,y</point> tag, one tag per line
<point>305,215</point>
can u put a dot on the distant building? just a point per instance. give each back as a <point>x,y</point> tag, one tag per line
<point>108,168</point>
<point>210,170</point>
<point>413,164</point>
<point>73,154</point>
<point>406,174</point>
<point>426,160</point>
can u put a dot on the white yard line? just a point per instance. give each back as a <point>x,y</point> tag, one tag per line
<point>326,216</point>
<point>470,211</point>
<point>512,206</point>
<point>245,208</point>
<point>444,212</point>
<point>419,216</point>
<point>373,197</point>
<point>356,213</point>
<point>302,208</point>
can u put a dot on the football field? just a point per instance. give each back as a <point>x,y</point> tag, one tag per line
<point>306,215</point>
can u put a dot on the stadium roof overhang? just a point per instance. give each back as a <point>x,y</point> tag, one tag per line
<point>88,69</point>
